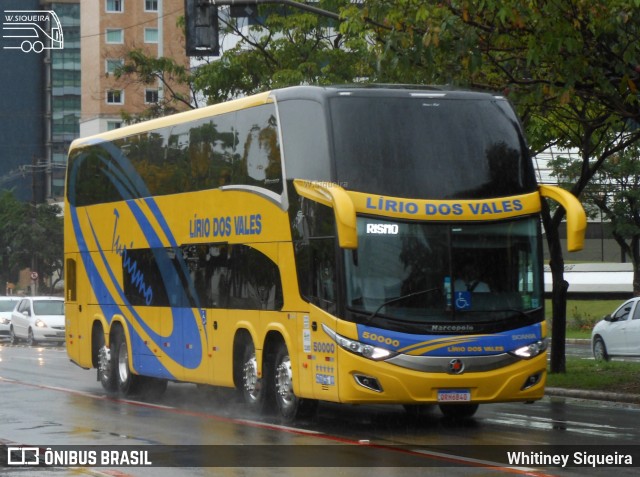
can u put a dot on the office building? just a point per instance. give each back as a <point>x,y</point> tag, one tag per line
<point>111,29</point>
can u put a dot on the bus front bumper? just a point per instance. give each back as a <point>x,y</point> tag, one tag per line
<point>365,381</point>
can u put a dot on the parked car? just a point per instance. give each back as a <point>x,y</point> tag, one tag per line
<point>618,334</point>
<point>37,319</point>
<point>7,304</point>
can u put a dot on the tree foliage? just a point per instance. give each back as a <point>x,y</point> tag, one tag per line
<point>288,47</point>
<point>31,237</point>
<point>615,193</point>
<point>284,47</point>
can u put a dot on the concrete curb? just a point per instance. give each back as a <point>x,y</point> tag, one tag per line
<point>594,395</point>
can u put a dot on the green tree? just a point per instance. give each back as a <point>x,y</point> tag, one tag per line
<point>286,47</point>
<point>31,237</point>
<point>614,192</point>
<point>12,213</point>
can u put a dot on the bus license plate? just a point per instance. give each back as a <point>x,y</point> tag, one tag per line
<point>454,395</point>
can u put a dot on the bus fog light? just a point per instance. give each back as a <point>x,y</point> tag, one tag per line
<point>368,382</point>
<point>531,381</point>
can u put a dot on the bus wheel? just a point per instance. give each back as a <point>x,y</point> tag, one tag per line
<point>38,47</point>
<point>458,410</point>
<point>289,405</point>
<point>26,46</point>
<point>253,390</point>
<point>126,380</point>
<point>106,369</point>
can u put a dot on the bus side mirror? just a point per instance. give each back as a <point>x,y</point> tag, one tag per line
<point>576,217</point>
<point>334,196</point>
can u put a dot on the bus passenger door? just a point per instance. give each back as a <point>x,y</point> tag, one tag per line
<point>77,337</point>
<point>219,351</point>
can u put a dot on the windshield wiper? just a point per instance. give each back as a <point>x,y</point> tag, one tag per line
<point>399,298</point>
<point>515,310</point>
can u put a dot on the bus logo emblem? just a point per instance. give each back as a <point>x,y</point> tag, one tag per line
<point>456,366</point>
<point>31,30</point>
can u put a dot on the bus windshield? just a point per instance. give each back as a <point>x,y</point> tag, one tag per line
<point>431,148</point>
<point>433,273</point>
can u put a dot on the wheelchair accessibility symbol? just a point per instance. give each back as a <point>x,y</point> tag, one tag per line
<point>462,300</point>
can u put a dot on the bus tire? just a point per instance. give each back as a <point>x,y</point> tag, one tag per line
<point>289,405</point>
<point>126,380</point>
<point>459,411</point>
<point>252,386</point>
<point>106,370</point>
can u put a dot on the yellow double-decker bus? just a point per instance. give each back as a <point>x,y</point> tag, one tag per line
<point>343,244</point>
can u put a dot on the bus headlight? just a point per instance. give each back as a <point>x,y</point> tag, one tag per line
<point>532,350</point>
<point>365,350</point>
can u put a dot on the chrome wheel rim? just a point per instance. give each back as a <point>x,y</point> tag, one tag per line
<point>284,383</point>
<point>250,379</point>
<point>123,363</point>
<point>104,362</point>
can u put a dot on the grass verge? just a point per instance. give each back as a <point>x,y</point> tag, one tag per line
<point>586,374</point>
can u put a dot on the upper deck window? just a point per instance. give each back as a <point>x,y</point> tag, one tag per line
<point>434,148</point>
<point>240,148</point>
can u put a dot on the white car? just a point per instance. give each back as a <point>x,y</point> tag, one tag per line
<point>37,319</point>
<point>7,304</point>
<point>618,334</point>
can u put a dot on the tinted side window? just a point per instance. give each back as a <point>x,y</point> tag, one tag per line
<point>258,149</point>
<point>623,313</point>
<point>238,148</point>
<point>203,275</point>
<point>305,140</point>
<point>236,277</point>
<point>314,243</point>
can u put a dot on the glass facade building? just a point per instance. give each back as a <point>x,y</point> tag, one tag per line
<point>40,104</point>
<point>64,100</point>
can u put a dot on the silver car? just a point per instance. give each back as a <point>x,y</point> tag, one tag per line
<point>618,334</point>
<point>38,319</point>
<point>7,304</point>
